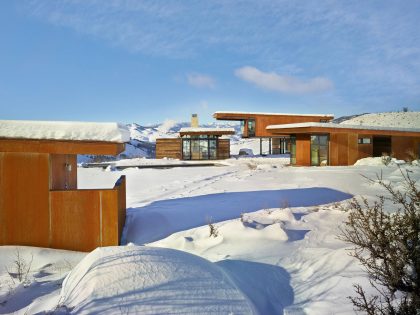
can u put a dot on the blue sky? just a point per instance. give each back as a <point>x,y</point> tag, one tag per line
<point>147,61</point>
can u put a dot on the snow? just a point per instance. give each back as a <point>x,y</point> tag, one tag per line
<point>273,114</point>
<point>277,240</point>
<point>64,130</point>
<point>203,129</point>
<point>391,119</point>
<point>378,161</point>
<point>146,280</point>
<point>343,126</point>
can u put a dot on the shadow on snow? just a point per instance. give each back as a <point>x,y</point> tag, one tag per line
<point>162,218</point>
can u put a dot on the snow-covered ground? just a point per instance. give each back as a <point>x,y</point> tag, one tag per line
<point>276,248</point>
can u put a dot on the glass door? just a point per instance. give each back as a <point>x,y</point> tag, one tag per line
<point>292,144</point>
<point>251,128</point>
<point>319,150</point>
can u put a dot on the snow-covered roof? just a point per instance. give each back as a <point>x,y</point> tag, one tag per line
<point>64,130</point>
<point>391,119</point>
<point>272,114</point>
<point>203,130</point>
<point>340,126</point>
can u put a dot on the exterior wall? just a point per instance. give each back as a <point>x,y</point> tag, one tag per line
<point>170,148</point>
<point>223,149</point>
<point>60,176</point>
<point>303,149</point>
<point>85,219</point>
<point>32,213</point>
<point>24,199</point>
<point>404,147</point>
<point>262,121</point>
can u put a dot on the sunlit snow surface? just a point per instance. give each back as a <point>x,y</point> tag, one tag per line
<point>277,240</point>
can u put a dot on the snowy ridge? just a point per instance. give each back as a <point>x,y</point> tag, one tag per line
<point>64,130</point>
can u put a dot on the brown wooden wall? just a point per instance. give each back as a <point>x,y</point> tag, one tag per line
<point>303,149</point>
<point>223,149</point>
<point>170,148</point>
<point>403,147</point>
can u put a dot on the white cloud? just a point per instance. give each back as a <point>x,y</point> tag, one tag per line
<point>282,83</point>
<point>200,80</point>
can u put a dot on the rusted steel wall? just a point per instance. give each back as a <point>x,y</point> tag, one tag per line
<point>85,219</point>
<point>31,214</point>
<point>24,189</point>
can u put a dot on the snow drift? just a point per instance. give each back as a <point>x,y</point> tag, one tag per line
<point>147,280</point>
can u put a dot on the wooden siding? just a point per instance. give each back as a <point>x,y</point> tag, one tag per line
<point>61,147</point>
<point>264,120</point>
<point>223,149</point>
<point>303,150</point>
<point>60,176</point>
<point>24,188</point>
<point>170,148</point>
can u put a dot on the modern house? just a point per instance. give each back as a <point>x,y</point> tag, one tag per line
<point>254,125</point>
<point>40,204</point>
<point>338,144</point>
<point>196,143</point>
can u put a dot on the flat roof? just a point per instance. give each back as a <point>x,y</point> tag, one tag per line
<point>64,131</point>
<point>271,114</point>
<point>314,126</point>
<point>210,131</point>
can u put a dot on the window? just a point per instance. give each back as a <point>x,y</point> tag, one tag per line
<point>319,150</point>
<point>251,128</point>
<point>323,121</point>
<point>293,150</point>
<point>199,148</point>
<point>365,141</point>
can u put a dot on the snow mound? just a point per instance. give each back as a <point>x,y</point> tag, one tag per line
<point>64,130</point>
<point>147,280</point>
<point>393,119</point>
<point>377,161</point>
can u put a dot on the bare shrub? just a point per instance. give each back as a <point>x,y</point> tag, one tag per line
<point>412,156</point>
<point>20,268</point>
<point>214,232</point>
<point>386,158</point>
<point>388,247</point>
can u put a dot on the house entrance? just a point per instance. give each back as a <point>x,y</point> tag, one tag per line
<point>381,146</point>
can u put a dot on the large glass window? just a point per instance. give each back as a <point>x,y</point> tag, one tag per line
<point>199,148</point>
<point>242,126</point>
<point>319,150</point>
<point>251,128</point>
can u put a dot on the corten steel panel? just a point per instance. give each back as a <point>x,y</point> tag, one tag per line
<point>110,229</point>
<point>24,187</point>
<point>401,147</point>
<point>170,148</point>
<point>223,149</point>
<point>76,219</point>
<point>212,133</point>
<point>365,149</point>
<point>61,147</point>
<point>353,151</point>
<point>343,156</point>
<point>121,206</point>
<point>61,176</point>
<point>333,147</point>
<point>303,149</point>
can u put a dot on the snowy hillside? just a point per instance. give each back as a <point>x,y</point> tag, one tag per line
<point>390,119</point>
<point>143,139</point>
